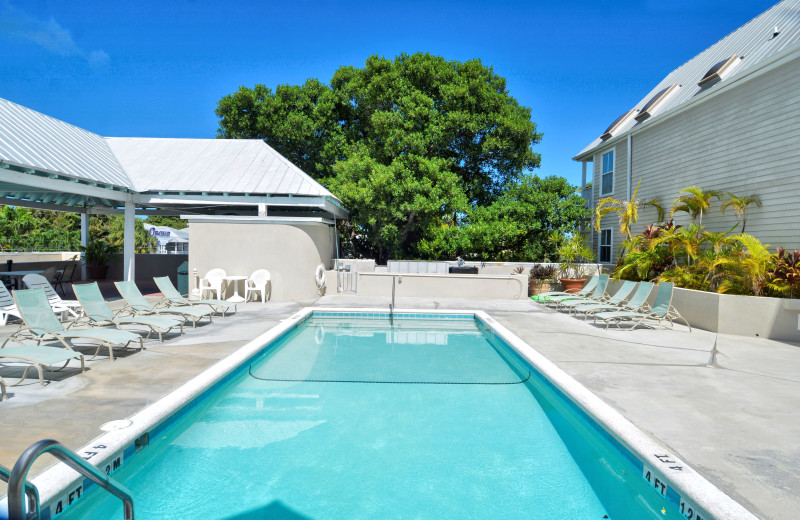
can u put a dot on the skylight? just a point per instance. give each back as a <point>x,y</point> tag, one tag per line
<point>656,100</point>
<point>720,68</point>
<point>618,122</point>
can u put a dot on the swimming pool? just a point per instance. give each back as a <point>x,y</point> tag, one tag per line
<point>349,415</point>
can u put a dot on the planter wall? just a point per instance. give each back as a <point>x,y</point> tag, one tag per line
<point>770,318</point>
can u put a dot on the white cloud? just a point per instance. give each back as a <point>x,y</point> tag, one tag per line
<point>48,34</point>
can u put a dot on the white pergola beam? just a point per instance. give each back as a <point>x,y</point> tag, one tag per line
<point>46,183</point>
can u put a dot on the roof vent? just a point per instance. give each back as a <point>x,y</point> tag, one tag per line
<point>718,70</point>
<point>656,100</point>
<point>618,122</point>
<point>775,33</point>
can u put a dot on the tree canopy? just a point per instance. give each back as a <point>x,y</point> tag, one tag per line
<point>23,229</point>
<point>411,146</point>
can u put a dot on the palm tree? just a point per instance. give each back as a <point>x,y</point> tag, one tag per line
<point>694,201</point>
<point>749,273</point>
<point>627,211</point>
<point>739,205</point>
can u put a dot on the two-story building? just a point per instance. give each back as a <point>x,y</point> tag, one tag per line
<point>728,120</point>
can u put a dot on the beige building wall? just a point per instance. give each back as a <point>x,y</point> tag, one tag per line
<point>745,140</point>
<point>291,252</point>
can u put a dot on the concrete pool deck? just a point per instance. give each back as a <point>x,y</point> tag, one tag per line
<point>727,405</point>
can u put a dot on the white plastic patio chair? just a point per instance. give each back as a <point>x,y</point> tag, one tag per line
<point>213,282</point>
<point>258,283</point>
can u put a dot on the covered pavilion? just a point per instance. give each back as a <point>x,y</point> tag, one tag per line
<point>46,163</point>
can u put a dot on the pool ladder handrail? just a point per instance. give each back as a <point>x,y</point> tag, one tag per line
<point>391,305</point>
<point>30,491</point>
<point>19,474</point>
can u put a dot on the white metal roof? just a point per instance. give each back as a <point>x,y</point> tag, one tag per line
<point>753,41</point>
<point>31,139</point>
<point>40,155</point>
<point>210,165</point>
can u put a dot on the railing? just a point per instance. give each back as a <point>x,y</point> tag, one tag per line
<point>16,489</point>
<point>30,490</point>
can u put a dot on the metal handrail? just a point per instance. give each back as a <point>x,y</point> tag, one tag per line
<point>30,490</point>
<point>16,500</point>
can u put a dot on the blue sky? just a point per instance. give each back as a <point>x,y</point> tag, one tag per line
<point>157,68</point>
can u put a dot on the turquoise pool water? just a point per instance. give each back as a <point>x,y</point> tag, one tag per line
<point>360,418</point>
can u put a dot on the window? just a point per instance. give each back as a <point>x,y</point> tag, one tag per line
<point>607,174</point>
<point>605,246</point>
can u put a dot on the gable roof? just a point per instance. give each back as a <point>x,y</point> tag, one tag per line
<point>210,165</point>
<point>753,42</point>
<point>35,144</point>
<point>31,139</point>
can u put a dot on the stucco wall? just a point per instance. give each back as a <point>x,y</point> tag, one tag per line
<point>291,253</point>
<point>771,318</point>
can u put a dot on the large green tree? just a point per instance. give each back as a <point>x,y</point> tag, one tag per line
<point>517,225</point>
<point>404,143</point>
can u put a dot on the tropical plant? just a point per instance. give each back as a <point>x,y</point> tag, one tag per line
<point>627,211</point>
<point>542,272</point>
<point>573,253</point>
<point>647,258</point>
<point>99,252</point>
<point>748,272</point>
<point>739,205</point>
<point>785,276</point>
<point>694,201</point>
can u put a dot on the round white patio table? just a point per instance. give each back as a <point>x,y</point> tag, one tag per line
<point>235,279</point>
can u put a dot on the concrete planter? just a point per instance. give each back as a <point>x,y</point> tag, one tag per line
<point>754,316</point>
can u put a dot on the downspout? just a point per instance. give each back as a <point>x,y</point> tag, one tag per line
<point>630,166</point>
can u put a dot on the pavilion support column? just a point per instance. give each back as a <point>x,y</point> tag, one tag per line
<point>128,249</point>
<point>84,241</point>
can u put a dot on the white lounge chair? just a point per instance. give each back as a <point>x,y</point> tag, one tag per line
<point>257,283</point>
<point>7,306</point>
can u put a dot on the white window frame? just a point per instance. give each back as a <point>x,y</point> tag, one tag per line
<point>610,246</point>
<point>612,172</point>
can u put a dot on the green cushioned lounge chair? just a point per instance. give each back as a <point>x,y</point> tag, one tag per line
<point>598,293</point>
<point>173,297</point>
<point>585,291</point>
<point>99,314</point>
<point>37,281</point>
<point>662,310</point>
<point>616,299</point>
<point>40,323</point>
<point>636,303</point>
<point>139,305</point>
<point>40,357</point>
